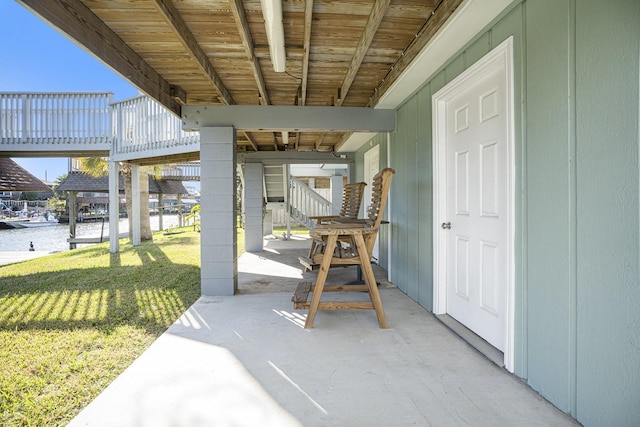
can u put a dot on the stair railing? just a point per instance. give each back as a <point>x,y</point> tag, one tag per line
<point>306,203</point>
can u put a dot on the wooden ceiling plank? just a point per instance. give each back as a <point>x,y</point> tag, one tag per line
<point>437,19</point>
<point>247,42</point>
<point>320,141</point>
<point>375,18</point>
<point>173,18</point>
<point>308,19</point>
<point>251,141</point>
<point>79,23</point>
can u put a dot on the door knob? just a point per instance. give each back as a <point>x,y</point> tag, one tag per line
<point>446,225</point>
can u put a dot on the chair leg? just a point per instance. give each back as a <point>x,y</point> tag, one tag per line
<point>370,280</point>
<point>322,277</point>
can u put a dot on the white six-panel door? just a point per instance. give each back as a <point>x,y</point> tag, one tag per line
<point>473,212</point>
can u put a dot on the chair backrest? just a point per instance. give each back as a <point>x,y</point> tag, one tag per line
<point>352,199</point>
<point>379,195</point>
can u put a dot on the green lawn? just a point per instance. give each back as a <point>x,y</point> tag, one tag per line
<point>294,230</point>
<point>71,322</point>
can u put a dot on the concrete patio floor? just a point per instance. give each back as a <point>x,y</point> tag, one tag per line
<point>246,360</point>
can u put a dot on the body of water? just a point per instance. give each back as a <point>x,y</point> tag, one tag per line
<point>54,238</point>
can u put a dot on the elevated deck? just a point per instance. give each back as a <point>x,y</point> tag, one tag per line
<point>90,124</point>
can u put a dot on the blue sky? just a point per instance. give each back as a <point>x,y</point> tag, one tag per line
<point>34,57</point>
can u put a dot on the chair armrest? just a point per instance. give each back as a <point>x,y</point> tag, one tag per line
<point>325,217</point>
<point>341,231</point>
<point>339,226</point>
<point>354,221</point>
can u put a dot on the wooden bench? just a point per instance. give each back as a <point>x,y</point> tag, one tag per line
<point>343,245</point>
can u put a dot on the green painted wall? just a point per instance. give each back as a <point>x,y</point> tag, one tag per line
<point>577,211</point>
<point>608,290</point>
<point>381,141</point>
<point>550,196</point>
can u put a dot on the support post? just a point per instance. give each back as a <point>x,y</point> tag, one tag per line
<point>114,207</point>
<point>267,223</point>
<point>134,221</point>
<point>336,194</point>
<point>218,271</point>
<point>160,210</point>
<point>253,207</point>
<point>71,201</point>
<point>287,197</point>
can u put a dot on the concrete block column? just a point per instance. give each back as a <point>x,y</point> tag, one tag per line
<point>253,207</point>
<point>336,194</point>
<point>218,241</point>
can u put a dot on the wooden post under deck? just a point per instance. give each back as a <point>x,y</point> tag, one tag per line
<point>71,202</point>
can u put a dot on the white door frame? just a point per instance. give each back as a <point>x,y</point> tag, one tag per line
<point>501,56</point>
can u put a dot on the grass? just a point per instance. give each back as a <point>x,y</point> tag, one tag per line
<point>70,323</point>
<point>294,230</point>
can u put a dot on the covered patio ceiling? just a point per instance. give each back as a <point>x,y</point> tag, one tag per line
<point>216,52</point>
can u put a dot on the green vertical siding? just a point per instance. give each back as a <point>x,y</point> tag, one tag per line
<point>399,188</point>
<point>608,298</point>
<point>577,210</point>
<point>423,234</point>
<point>381,141</point>
<point>549,216</point>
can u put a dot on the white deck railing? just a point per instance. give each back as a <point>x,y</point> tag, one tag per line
<point>306,203</point>
<point>55,118</point>
<point>141,124</point>
<point>188,171</point>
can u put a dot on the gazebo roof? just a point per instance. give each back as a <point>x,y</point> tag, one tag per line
<point>14,178</point>
<point>80,181</point>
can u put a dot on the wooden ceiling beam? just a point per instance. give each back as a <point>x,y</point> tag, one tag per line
<point>79,23</point>
<point>247,42</point>
<point>436,21</point>
<point>308,19</point>
<point>375,18</point>
<point>173,18</point>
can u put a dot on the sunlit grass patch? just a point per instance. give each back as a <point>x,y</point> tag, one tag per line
<point>71,322</point>
<point>294,230</point>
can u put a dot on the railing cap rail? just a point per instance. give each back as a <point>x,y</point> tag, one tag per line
<point>54,93</point>
<point>141,97</point>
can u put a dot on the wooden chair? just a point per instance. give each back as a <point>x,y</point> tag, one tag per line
<point>351,201</point>
<point>345,244</point>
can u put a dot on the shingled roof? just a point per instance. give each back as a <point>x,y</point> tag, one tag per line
<point>14,178</point>
<point>80,181</point>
